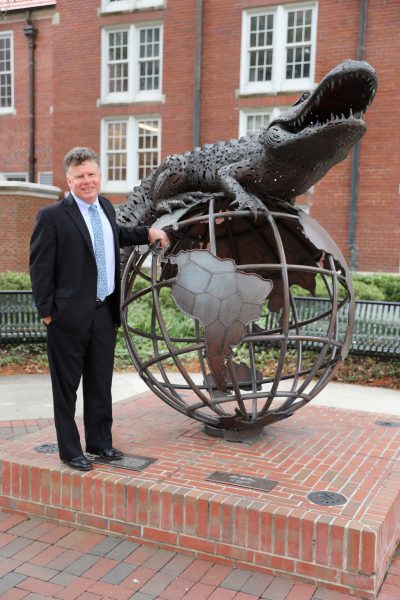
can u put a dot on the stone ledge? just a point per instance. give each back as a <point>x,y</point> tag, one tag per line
<point>25,188</point>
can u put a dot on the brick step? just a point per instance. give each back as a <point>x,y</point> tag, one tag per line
<point>173,504</point>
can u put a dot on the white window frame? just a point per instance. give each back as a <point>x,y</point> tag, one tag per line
<point>16,176</point>
<point>132,168</point>
<point>129,5</point>
<point>9,109</point>
<point>273,111</point>
<point>278,82</point>
<point>133,94</point>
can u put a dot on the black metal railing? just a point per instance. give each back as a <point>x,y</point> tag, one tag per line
<point>19,319</point>
<point>376,332</point>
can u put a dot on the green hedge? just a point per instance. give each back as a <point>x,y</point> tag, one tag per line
<point>377,286</point>
<point>11,280</point>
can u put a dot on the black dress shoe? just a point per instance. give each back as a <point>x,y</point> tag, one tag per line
<point>80,462</point>
<point>107,453</point>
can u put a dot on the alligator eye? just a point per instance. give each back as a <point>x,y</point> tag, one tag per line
<point>302,98</point>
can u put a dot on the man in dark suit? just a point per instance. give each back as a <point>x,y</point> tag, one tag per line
<point>74,267</point>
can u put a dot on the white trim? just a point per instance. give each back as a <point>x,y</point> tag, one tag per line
<point>9,109</point>
<point>129,5</point>
<point>133,94</point>
<point>278,82</point>
<point>25,188</point>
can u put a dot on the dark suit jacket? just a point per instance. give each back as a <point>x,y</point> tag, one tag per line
<point>63,266</point>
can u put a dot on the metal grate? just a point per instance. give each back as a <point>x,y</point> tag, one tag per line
<point>325,498</point>
<point>384,423</point>
<point>47,448</point>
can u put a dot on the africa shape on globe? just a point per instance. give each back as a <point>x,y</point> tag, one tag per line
<point>221,302</point>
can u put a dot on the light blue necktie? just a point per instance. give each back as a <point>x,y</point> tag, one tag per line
<point>99,252</point>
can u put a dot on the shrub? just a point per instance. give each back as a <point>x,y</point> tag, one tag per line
<point>12,280</point>
<point>389,284</point>
<point>367,291</point>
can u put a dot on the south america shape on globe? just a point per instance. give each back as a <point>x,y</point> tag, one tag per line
<point>224,299</point>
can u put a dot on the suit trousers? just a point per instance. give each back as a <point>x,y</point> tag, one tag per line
<point>86,353</point>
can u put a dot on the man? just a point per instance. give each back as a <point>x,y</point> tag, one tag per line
<point>74,267</point>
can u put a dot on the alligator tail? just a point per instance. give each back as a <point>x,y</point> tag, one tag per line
<point>138,209</point>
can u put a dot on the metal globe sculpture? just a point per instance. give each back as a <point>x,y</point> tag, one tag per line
<point>240,253</point>
<point>228,279</point>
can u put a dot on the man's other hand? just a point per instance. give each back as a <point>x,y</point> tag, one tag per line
<point>158,234</point>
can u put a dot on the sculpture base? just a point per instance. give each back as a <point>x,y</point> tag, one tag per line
<point>247,436</point>
<point>278,529</point>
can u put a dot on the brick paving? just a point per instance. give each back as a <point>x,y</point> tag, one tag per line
<point>83,566</point>
<point>43,559</point>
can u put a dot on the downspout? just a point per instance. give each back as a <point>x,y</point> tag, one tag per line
<point>355,165</point>
<point>30,31</point>
<point>197,73</point>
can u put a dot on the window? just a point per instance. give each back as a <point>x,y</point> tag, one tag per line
<point>16,176</point>
<point>252,120</point>
<point>130,151</point>
<point>6,73</point>
<point>132,60</point>
<point>45,177</point>
<point>129,5</point>
<point>278,48</point>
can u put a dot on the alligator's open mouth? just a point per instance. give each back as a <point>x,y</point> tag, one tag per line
<point>342,97</point>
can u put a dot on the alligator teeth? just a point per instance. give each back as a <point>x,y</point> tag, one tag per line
<point>332,84</point>
<point>317,100</point>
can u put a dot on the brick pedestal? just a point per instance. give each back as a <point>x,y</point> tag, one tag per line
<point>171,503</point>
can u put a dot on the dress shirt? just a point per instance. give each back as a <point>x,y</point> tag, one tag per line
<point>108,238</point>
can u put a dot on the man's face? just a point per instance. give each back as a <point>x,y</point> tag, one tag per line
<point>85,180</point>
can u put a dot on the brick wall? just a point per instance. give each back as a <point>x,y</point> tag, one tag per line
<point>14,139</point>
<point>19,204</point>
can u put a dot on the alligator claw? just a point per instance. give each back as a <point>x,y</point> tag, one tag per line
<point>247,202</point>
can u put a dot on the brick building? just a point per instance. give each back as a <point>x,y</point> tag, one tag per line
<point>131,79</point>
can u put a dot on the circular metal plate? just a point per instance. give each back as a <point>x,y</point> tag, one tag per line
<point>325,498</point>
<point>47,448</point>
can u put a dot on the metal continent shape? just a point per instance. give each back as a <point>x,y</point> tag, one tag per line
<point>224,300</point>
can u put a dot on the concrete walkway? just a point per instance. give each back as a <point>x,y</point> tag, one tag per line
<point>29,396</point>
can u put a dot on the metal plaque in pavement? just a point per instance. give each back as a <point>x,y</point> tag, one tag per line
<point>256,483</point>
<point>128,461</point>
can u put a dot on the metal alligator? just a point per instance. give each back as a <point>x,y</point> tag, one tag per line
<point>281,162</point>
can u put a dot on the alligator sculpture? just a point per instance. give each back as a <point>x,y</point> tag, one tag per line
<point>279,163</point>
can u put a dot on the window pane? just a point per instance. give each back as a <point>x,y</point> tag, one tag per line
<point>149,59</point>
<point>260,47</point>
<point>118,62</point>
<point>5,72</point>
<point>298,48</point>
<point>254,122</point>
<point>148,146</point>
<point>117,150</point>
